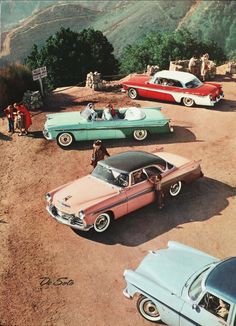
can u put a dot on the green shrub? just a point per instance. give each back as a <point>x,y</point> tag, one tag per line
<point>15,79</point>
<point>161,48</point>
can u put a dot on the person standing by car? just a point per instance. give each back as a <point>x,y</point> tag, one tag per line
<point>99,152</point>
<point>20,122</point>
<point>156,180</point>
<point>193,65</point>
<point>10,117</point>
<point>26,118</point>
<point>204,66</point>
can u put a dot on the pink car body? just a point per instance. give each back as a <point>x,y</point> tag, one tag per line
<point>174,86</point>
<point>111,192</point>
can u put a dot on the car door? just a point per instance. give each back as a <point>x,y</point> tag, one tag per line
<point>101,129</point>
<point>139,194</point>
<point>161,92</point>
<point>198,314</point>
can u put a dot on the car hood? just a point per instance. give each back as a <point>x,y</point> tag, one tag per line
<point>82,194</point>
<point>205,89</point>
<point>63,119</point>
<point>170,268</point>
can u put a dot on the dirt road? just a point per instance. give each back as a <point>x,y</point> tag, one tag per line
<point>35,248</point>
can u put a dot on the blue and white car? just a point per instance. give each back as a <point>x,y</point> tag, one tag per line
<point>182,286</point>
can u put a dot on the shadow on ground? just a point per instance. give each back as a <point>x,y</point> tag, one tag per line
<point>5,137</point>
<point>225,106</point>
<point>36,134</point>
<point>198,202</point>
<point>180,135</point>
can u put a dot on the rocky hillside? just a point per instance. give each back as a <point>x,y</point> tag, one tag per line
<point>123,22</point>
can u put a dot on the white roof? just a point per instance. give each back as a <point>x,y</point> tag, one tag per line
<point>184,77</point>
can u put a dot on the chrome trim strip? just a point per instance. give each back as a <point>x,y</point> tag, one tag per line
<point>118,127</point>
<point>125,200</point>
<point>170,92</point>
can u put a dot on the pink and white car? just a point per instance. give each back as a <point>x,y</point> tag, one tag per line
<point>112,191</point>
<point>174,86</point>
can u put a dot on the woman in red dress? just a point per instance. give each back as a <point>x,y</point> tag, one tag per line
<point>27,118</point>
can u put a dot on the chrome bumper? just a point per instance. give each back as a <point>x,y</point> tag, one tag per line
<point>47,134</point>
<point>126,294</point>
<point>217,99</point>
<point>67,221</point>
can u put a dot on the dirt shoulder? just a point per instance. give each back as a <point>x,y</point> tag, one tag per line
<point>33,246</point>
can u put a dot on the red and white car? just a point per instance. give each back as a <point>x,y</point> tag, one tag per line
<point>174,86</point>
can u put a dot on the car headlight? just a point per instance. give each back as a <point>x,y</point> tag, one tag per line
<point>81,214</point>
<point>48,197</point>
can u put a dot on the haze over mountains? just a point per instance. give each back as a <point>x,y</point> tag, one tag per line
<point>25,23</point>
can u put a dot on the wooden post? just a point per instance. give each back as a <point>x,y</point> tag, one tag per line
<point>41,86</point>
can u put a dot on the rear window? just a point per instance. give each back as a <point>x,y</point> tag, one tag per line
<point>193,83</point>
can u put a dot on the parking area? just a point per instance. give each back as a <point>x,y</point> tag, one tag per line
<point>36,251</point>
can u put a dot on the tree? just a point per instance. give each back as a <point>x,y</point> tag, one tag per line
<point>98,52</point>
<point>160,49</point>
<point>15,79</point>
<point>69,56</point>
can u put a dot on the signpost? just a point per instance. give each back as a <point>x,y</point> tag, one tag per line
<point>38,74</point>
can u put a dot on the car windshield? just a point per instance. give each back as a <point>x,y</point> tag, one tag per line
<point>111,176</point>
<point>195,288</point>
<point>86,113</point>
<point>193,83</point>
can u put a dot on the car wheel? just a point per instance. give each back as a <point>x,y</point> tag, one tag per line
<point>140,134</point>
<point>102,222</point>
<point>175,188</point>
<point>148,309</point>
<point>187,101</point>
<point>132,93</point>
<point>65,139</point>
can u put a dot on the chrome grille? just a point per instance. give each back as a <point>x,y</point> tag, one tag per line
<point>72,219</point>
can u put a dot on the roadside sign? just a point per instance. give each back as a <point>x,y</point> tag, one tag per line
<point>36,74</point>
<point>39,73</point>
<point>43,71</point>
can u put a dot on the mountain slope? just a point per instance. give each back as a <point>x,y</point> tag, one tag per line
<point>123,22</point>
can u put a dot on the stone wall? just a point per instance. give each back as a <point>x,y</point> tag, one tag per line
<point>94,81</point>
<point>182,65</point>
<point>151,70</point>
<point>231,68</point>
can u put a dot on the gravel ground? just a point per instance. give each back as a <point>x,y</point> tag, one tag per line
<point>33,246</point>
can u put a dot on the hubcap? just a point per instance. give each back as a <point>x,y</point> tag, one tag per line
<point>101,223</point>
<point>132,93</point>
<point>65,139</point>
<point>140,134</point>
<point>188,101</point>
<point>174,189</point>
<point>150,309</point>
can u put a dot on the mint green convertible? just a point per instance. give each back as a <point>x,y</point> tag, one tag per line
<point>91,124</point>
